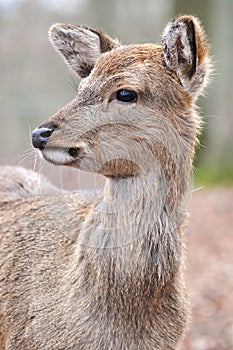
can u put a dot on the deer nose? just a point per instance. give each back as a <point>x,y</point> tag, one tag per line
<point>41,135</point>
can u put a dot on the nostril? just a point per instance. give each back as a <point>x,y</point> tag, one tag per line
<point>47,133</point>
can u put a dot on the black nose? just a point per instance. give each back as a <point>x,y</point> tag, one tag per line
<point>41,135</point>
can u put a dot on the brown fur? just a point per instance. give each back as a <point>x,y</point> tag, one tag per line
<point>105,270</point>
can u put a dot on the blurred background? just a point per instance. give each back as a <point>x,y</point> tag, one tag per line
<point>35,83</point>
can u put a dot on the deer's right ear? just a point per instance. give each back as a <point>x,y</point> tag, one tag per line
<point>80,46</point>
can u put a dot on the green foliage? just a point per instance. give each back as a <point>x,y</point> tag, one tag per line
<point>210,174</point>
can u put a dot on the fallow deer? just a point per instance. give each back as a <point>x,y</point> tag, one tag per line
<point>105,271</point>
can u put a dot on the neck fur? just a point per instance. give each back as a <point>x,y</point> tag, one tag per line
<point>130,211</point>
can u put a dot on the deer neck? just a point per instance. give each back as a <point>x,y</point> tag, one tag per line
<point>130,211</point>
<point>130,228</point>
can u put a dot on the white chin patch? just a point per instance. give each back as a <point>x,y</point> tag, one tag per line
<point>56,156</point>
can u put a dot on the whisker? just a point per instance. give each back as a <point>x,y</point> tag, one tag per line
<point>197,189</point>
<point>25,155</point>
<point>36,161</point>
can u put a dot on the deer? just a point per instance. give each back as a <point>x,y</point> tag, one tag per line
<point>105,270</point>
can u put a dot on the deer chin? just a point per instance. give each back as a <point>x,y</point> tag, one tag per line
<point>120,168</point>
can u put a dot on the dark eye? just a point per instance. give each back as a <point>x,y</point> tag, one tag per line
<point>126,95</point>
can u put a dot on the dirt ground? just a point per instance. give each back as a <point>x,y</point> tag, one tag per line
<point>210,270</point>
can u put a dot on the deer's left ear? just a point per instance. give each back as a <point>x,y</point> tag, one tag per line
<point>186,52</point>
<point>80,46</point>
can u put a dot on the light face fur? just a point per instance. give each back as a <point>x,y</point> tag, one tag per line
<point>105,271</point>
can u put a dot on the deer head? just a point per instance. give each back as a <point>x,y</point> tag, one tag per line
<point>135,104</point>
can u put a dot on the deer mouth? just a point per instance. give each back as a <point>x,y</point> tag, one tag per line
<point>62,155</point>
<point>76,157</point>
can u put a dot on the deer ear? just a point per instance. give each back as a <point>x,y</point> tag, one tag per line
<point>186,52</point>
<point>80,46</point>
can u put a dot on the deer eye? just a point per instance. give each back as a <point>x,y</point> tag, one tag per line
<point>126,95</point>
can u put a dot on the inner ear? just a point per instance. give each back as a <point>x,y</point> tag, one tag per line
<point>80,46</point>
<point>179,45</point>
<point>189,61</point>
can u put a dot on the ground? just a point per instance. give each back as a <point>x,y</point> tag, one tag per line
<point>209,271</point>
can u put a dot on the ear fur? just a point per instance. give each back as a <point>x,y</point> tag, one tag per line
<point>186,52</point>
<point>80,46</point>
